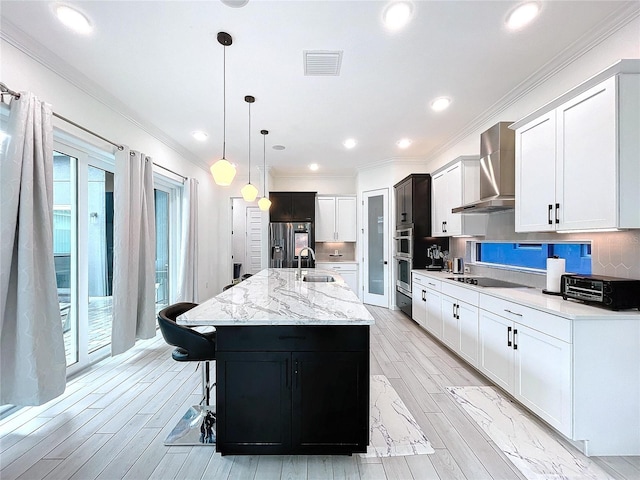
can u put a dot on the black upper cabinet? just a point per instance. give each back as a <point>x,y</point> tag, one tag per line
<point>413,203</point>
<point>292,206</point>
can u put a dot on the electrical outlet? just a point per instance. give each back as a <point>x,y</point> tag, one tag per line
<point>467,270</point>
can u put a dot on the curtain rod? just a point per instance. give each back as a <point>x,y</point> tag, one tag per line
<point>6,90</point>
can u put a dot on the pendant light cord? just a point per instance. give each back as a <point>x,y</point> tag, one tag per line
<point>224,102</point>
<point>264,164</point>
<point>249,142</point>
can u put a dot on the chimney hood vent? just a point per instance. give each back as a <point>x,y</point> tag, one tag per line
<point>497,172</point>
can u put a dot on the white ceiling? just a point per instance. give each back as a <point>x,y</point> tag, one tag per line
<point>161,60</point>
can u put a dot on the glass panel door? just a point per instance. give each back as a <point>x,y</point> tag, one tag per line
<point>100,256</point>
<point>376,247</point>
<point>162,205</point>
<point>65,248</point>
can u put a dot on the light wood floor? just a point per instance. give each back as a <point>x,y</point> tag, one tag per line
<point>112,421</point>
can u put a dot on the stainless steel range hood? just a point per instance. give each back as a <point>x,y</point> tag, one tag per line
<point>497,172</point>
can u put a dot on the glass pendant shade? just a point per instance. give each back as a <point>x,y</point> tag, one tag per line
<point>249,192</point>
<point>264,203</point>
<point>223,172</point>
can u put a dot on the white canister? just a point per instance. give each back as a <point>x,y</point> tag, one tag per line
<point>555,269</point>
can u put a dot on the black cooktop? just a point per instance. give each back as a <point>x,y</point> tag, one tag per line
<point>486,282</point>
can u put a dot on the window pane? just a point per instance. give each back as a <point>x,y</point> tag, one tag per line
<point>162,249</point>
<point>64,255</point>
<point>534,255</point>
<point>376,244</point>
<point>100,258</point>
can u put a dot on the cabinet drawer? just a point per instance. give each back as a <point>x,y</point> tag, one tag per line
<point>419,279</point>
<point>552,325</point>
<point>433,284</point>
<point>339,267</point>
<point>463,294</point>
<point>319,338</point>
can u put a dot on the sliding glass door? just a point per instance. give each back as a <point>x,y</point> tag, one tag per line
<point>83,251</point>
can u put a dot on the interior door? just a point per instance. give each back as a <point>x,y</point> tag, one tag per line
<point>253,249</point>
<point>375,257</point>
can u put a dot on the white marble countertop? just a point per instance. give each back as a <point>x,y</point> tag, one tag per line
<point>534,298</point>
<point>275,297</point>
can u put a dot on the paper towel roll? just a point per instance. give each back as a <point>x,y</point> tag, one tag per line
<point>555,268</point>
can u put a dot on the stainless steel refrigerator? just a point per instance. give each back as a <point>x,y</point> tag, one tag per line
<point>285,242</point>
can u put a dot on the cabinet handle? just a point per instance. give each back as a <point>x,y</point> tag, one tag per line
<point>453,310</point>
<point>549,214</point>
<point>432,284</point>
<point>423,293</point>
<point>457,315</point>
<point>508,336</point>
<point>557,213</point>
<point>515,343</point>
<point>296,373</point>
<point>512,313</point>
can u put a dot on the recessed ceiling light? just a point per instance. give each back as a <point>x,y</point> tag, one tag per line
<point>278,147</point>
<point>350,143</point>
<point>235,3</point>
<point>522,15</point>
<point>73,19</point>
<point>314,167</point>
<point>397,15</point>
<point>403,143</point>
<point>200,135</point>
<point>440,103</point>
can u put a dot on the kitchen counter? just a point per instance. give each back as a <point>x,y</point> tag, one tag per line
<point>534,298</point>
<point>279,343</point>
<point>576,366</point>
<point>275,297</point>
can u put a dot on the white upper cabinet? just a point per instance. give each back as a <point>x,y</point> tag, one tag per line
<point>336,219</point>
<point>456,184</point>
<point>578,164</point>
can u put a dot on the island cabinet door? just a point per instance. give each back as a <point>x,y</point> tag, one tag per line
<point>253,396</point>
<point>330,397</point>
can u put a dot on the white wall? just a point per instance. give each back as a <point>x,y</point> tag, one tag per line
<point>23,73</point>
<point>315,183</point>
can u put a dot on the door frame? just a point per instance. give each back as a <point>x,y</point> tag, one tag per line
<point>368,298</point>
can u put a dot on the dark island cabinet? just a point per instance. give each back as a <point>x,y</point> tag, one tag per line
<point>292,206</point>
<point>292,390</point>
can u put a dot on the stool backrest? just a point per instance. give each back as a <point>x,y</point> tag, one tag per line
<point>198,346</point>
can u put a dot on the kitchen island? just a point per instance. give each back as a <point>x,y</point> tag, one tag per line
<point>292,366</point>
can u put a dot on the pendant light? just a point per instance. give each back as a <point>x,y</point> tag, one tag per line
<point>223,171</point>
<point>249,192</point>
<point>264,203</point>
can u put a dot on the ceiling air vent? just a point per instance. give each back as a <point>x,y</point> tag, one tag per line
<point>322,62</point>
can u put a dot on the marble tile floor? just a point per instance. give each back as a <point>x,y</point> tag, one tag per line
<point>393,430</point>
<point>534,451</point>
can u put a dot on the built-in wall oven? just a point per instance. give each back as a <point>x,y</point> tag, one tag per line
<point>404,242</point>
<point>403,273</point>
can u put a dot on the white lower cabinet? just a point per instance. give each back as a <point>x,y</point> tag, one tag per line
<point>460,321</point>
<point>419,300</point>
<point>434,308</point>
<point>531,365</point>
<point>348,271</point>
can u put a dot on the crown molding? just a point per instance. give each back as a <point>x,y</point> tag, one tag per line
<point>45,57</point>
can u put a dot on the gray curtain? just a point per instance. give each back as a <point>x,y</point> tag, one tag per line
<point>134,251</point>
<point>188,277</point>
<point>32,358</point>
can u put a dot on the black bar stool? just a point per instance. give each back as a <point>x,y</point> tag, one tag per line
<point>197,426</point>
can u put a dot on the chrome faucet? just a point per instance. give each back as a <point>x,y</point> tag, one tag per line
<point>313,255</point>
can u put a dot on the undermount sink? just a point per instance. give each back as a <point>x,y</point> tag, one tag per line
<point>318,278</point>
